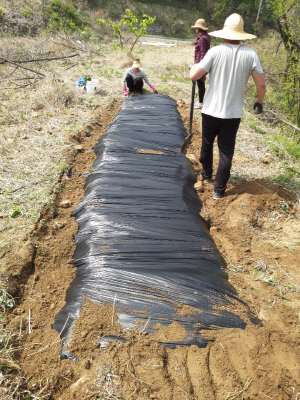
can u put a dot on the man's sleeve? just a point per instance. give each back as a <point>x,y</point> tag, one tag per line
<point>206,62</point>
<point>256,67</point>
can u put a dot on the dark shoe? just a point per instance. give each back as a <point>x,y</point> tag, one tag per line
<point>208,180</point>
<point>217,195</point>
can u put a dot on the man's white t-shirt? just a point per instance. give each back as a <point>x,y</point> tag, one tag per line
<point>229,67</point>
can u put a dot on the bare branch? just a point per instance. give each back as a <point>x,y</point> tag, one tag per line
<point>21,66</point>
<point>36,60</point>
<point>284,120</point>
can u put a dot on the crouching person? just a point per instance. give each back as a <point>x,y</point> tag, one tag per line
<point>133,79</point>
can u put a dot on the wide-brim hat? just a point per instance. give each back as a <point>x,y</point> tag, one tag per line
<point>233,29</point>
<point>200,23</point>
<point>136,64</point>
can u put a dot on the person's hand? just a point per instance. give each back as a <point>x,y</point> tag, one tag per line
<point>258,107</point>
<point>125,91</point>
<point>153,88</point>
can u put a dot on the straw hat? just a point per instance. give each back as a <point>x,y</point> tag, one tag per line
<point>136,64</point>
<point>200,23</point>
<point>233,29</point>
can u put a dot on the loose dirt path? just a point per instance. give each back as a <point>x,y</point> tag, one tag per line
<point>256,227</point>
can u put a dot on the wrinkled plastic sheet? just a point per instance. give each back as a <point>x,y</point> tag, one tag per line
<point>141,243</point>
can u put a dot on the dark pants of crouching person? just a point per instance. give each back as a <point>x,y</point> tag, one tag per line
<point>225,130</point>
<point>134,86</point>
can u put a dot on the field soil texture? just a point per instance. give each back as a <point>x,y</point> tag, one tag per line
<point>256,228</point>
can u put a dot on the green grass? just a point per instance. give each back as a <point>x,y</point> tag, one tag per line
<point>288,179</point>
<point>291,145</point>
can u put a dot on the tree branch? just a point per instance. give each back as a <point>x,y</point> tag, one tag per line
<point>21,66</point>
<point>284,120</point>
<point>37,60</point>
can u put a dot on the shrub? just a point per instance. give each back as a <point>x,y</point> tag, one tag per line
<point>65,16</point>
<point>26,11</point>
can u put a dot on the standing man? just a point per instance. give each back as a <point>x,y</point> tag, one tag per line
<point>202,45</point>
<point>229,66</point>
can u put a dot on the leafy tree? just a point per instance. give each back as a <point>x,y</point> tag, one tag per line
<point>133,24</point>
<point>287,17</point>
<point>65,16</point>
<point>223,8</point>
<point>136,26</point>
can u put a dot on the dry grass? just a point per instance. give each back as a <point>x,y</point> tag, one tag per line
<point>34,118</point>
<point>34,148</point>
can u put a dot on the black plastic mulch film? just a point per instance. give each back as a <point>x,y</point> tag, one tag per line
<point>142,244</point>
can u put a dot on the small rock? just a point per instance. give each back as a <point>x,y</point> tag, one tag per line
<point>79,148</point>
<point>192,158</point>
<point>74,136</point>
<point>69,172</point>
<point>265,160</point>
<point>263,314</point>
<point>59,225</point>
<point>83,334</point>
<point>65,204</point>
<point>199,186</point>
<point>27,253</point>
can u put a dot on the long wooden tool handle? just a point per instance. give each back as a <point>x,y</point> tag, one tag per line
<point>192,107</point>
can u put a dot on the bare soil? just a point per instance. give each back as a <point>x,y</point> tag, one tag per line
<point>256,227</point>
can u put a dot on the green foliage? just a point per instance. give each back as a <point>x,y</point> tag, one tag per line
<point>65,16</point>
<point>16,212</point>
<point>101,22</point>
<point>26,11</point>
<point>62,167</point>
<point>174,3</point>
<point>133,24</point>
<point>111,72</point>
<point>1,11</point>
<point>287,17</point>
<point>223,8</point>
<point>86,34</point>
<point>137,26</point>
<point>283,205</point>
<point>290,144</point>
<point>117,32</point>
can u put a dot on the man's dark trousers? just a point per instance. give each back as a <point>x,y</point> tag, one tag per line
<point>225,130</point>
